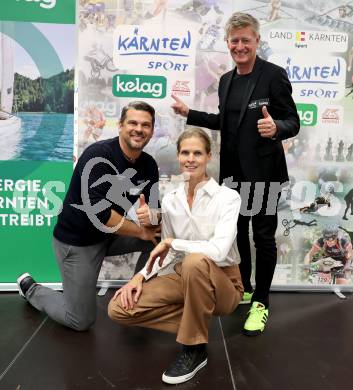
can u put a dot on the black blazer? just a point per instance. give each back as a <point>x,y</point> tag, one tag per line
<point>262,159</point>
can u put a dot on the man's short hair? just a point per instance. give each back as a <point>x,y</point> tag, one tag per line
<point>140,106</point>
<point>241,20</point>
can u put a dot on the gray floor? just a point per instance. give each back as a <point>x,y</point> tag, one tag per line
<point>308,345</point>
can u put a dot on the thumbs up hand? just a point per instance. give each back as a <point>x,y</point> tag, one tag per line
<point>265,112</point>
<point>142,201</point>
<point>143,212</point>
<point>266,126</point>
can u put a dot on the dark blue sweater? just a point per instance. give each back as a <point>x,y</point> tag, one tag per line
<point>104,175</point>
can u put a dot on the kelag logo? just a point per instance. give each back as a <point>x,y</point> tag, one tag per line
<point>48,4</point>
<point>129,85</point>
<point>307,114</point>
<point>42,11</point>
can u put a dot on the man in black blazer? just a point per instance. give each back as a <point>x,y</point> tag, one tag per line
<point>256,112</point>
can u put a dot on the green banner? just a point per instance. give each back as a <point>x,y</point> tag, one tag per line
<point>139,86</point>
<point>307,114</point>
<point>28,211</point>
<point>43,11</point>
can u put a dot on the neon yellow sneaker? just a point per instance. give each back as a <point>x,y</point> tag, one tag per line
<point>256,321</point>
<point>246,298</point>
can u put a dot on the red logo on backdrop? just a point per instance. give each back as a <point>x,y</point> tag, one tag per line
<point>300,36</point>
<point>330,115</point>
<point>181,88</point>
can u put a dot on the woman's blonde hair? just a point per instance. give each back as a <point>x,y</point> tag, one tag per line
<point>198,133</point>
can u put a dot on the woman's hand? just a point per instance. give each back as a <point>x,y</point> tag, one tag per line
<point>161,251</point>
<point>126,292</point>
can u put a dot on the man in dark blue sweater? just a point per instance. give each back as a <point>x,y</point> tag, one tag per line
<point>110,176</point>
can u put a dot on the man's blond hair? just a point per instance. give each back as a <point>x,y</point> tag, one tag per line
<point>241,20</point>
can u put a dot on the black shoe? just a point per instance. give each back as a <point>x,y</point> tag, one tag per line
<point>24,282</point>
<point>345,218</point>
<point>191,360</point>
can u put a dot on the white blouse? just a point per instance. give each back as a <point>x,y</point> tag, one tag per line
<point>210,227</point>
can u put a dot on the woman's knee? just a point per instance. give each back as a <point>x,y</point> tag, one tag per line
<point>115,311</point>
<point>194,261</point>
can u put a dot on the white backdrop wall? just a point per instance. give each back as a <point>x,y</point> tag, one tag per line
<point>146,50</point>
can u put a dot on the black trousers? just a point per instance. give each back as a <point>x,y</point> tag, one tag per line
<point>259,205</point>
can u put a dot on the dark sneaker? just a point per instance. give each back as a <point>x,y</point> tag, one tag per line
<point>256,321</point>
<point>24,282</point>
<point>191,360</point>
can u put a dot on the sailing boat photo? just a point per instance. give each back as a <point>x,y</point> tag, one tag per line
<point>10,124</point>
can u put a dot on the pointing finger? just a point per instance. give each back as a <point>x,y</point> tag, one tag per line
<point>176,98</point>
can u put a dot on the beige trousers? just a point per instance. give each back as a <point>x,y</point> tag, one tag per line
<point>184,302</point>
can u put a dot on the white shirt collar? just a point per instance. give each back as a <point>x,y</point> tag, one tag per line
<point>210,187</point>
